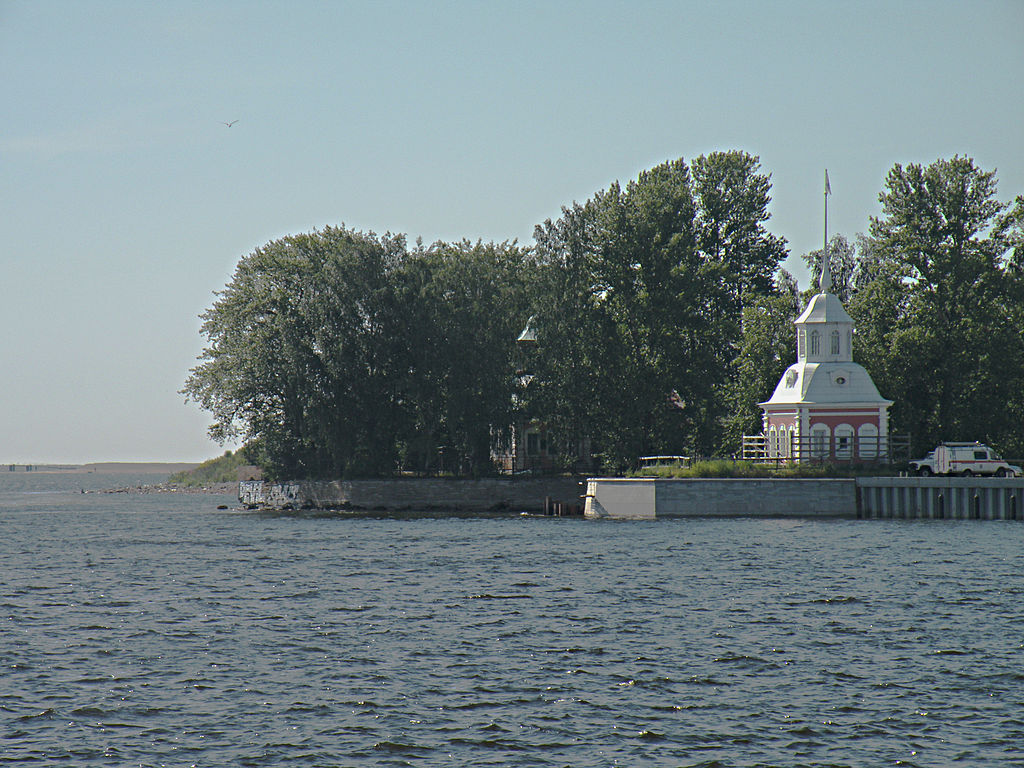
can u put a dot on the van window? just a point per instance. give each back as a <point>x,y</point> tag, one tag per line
<point>981,455</point>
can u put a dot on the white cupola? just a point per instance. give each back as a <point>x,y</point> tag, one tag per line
<point>824,332</point>
<point>824,371</point>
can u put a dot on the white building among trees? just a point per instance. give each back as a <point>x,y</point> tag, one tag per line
<point>825,407</point>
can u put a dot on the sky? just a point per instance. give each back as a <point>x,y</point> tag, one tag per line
<point>126,202</point>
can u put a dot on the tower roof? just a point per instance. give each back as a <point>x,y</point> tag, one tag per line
<point>831,383</point>
<point>528,333</point>
<point>824,308</point>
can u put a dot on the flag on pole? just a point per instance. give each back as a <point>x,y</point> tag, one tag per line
<point>828,189</point>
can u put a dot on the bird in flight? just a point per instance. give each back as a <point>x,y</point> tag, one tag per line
<point>228,124</point>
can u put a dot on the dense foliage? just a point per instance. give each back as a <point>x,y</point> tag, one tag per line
<point>941,305</point>
<point>345,354</point>
<point>660,314</point>
<point>646,287</point>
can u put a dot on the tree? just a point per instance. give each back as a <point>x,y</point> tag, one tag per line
<point>341,354</point>
<point>732,197</point>
<point>302,352</point>
<point>767,349</point>
<point>640,318</point>
<point>653,285</point>
<point>842,267</point>
<point>953,353</point>
<point>616,272</point>
<point>565,381</point>
<point>736,249</point>
<point>465,303</point>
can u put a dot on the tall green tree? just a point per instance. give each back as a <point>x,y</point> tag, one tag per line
<point>465,303</point>
<point>564,370</point>
<point>645,288</point>
<point>766,350</point>
<point>302,352</point>
<point>615,270</point>
<point>880,306</point>
<point>651,280</point>
<point>954,354</point>
<point>732,197</point>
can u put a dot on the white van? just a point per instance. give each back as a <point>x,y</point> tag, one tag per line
<point>964,459</point>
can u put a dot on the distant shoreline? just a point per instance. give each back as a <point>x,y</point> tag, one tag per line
<point>105,467</point>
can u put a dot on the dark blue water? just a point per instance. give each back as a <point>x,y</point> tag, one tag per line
<point>156,630</point>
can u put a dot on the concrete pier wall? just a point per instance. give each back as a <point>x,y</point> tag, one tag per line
<point>959,498</point>
<point>962,498</point>
<point>651,498</point>
<point>938,498</point>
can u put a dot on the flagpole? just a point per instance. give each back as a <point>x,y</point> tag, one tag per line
<point>825,278</point>
<point>827,190</point>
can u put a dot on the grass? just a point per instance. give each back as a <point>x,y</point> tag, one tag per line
<point>727,468</point>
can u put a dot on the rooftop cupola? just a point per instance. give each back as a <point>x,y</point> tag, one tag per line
<point>824,332</point>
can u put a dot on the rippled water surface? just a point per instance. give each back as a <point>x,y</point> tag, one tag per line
<point>157,630</point>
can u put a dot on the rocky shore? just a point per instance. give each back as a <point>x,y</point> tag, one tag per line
<point>217,488</point>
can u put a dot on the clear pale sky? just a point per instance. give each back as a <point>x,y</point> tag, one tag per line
<point>125,202</point>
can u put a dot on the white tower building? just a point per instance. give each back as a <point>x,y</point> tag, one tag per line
<point>825,406</point>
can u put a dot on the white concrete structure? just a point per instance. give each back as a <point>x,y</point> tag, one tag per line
<point>825,406</point>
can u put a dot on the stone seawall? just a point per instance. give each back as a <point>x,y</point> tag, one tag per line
<point>519,494</point>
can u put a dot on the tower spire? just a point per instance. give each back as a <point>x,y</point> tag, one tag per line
<point>825,280</point>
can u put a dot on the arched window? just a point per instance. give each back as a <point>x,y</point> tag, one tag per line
<point>819,441</point>
<point>773,444</point>
<point>835,343</point>
<point>844,441</point>
<point>801,335</point>
<point>867,441</point>
<point>815,343</point>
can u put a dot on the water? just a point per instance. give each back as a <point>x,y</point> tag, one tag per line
<point>156,630</point>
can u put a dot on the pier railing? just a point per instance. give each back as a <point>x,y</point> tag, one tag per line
<point>802,449</point>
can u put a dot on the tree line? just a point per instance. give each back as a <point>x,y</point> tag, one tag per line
<point>661,317</point>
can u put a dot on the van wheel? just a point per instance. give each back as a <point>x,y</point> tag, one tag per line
<point>1001,472</point>
<point>967,473</point>
<point>924,471</point>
